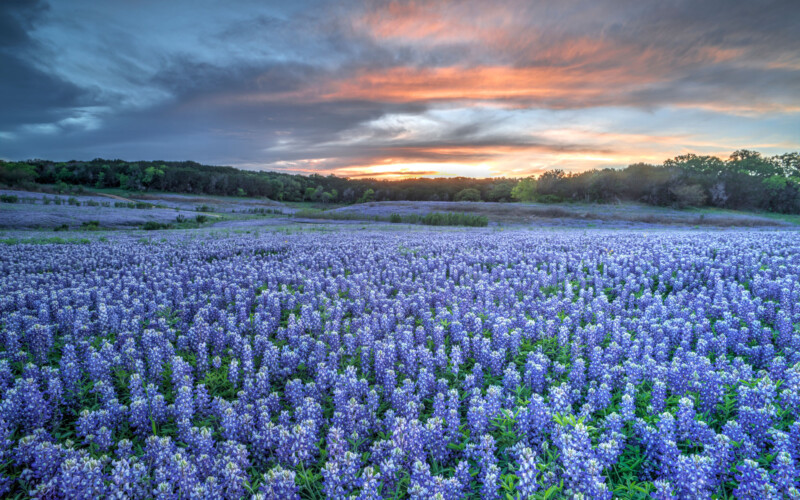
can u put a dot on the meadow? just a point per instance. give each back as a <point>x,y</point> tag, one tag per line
<point>466,363</point>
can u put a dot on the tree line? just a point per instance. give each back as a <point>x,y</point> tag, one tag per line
<point>746,180</point>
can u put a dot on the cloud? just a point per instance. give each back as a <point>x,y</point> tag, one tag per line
<point>398,86</point>
<point>30,95</point>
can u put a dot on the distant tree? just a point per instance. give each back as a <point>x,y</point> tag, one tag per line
<point>123,180</point>
<point>782,194</point>
<point>16,173</point>
<point>525,190</point>
<point>469,194</point>
<point>151,174</point>
<point>752,163</point>
<point>746,180</point>
<point>500,191</point>
<point>551,183</point>
<point>689,196</point>
<point>603,185</point>
<point>789,163</point>
<point>719,196</point>
<point>710,165</point>
<point>369,195</point>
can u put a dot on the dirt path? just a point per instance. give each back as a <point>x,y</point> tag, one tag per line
<point>115,197</point>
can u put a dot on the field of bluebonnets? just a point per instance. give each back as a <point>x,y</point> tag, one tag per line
<point>466,364</point>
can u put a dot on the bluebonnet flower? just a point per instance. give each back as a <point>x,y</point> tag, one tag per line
<point>82,477</point>
<point>664,490</point>
<point>754,482</point>
<point>693,476</point>
<point>409,356</point>
<point>786,474</point>
<point>528,473</point>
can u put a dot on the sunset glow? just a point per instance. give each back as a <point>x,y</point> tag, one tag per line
<point>400,89</point>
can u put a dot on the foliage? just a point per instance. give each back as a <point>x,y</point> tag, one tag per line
<point>746,180</point>
<point>454,219</point>
<point>429,219</point>
<point>153,225</point>
<point>17,173</point>
<point>469,194</point>
<point>688,196</point>
<point>524,190</point>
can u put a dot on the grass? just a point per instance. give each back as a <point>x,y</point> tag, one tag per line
<point>454,219</point>
<point>302,205</point>
<point>54,240</point>
<point>429,219</point>
<point>597,214</point>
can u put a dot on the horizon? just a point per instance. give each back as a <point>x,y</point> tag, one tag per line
<point>370,177</point>
<point>396,90</point>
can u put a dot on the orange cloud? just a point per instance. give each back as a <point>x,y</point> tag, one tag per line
<point>472,84</point>
<point>434,22</point>
<point>503,85</point>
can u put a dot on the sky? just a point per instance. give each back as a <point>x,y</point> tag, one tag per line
<point>398,88</point>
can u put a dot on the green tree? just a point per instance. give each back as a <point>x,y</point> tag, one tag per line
<point>64,174</point>
<point>552,183</point>
<point>500,191</point>
<point>16,173</point>
<point>525,190</point>
<point>469,194</point>
<point>752,163</point>
<point>369,195</point>
<point>782,194</point>
<point>697,164</point>
<point>151,174</point>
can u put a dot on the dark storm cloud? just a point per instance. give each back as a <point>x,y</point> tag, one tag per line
<point>327,86</point>
<point>29,94</point>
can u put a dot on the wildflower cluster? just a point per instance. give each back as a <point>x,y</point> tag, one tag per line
<point>471,364</point>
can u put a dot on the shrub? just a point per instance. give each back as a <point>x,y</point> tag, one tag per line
<point>62,227</point>
<point>395,218</point>
<point>92,225</point>
<point>201,219</point>
<point>549,198</point>
<point>152,225</point>
<point>454,219</point>
<point>9,198</point>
